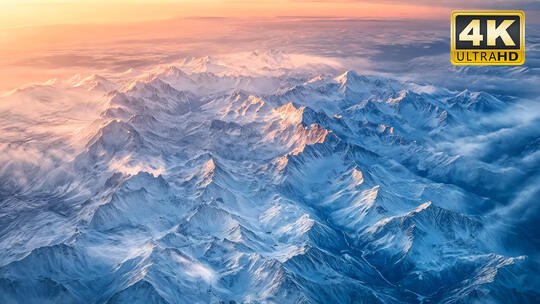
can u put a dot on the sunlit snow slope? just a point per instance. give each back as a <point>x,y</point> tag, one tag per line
<point>208,182</point>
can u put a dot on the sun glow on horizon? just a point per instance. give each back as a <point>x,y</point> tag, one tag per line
<point>45,39</point>
<point>48,12</point>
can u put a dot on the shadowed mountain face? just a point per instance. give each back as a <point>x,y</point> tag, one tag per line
<point>208,183</point>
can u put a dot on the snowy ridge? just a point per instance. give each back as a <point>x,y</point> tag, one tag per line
<point>208,183</point>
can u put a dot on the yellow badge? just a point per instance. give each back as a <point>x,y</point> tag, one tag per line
<point>487,38</point>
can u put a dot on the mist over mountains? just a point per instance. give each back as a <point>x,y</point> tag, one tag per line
<point>407,49</point>
<point>267,177</point>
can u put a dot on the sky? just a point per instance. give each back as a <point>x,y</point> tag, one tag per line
<point>44,12</point>
<point>35,12</point>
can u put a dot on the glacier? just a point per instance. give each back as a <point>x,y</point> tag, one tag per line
<point>280,180</point>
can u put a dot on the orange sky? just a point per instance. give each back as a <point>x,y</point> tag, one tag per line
<point>37,37</point>
<point>14,13</point>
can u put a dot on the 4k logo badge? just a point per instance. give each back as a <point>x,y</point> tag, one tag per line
<point>488,38</point>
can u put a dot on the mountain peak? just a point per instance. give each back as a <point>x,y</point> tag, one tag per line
<point>249,179</point>
<point>422,207</point>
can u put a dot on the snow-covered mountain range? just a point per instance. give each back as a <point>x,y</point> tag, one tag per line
<point>264,178</point>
